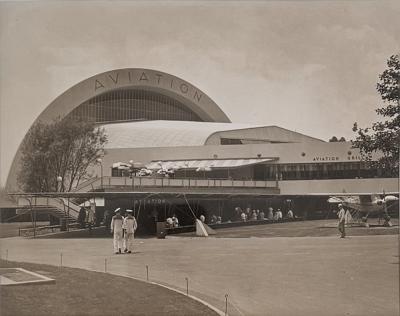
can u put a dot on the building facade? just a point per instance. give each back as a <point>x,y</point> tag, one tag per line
<point>151,116</point>
<point>164,123</point>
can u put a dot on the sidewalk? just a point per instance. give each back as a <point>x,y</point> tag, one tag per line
<point>274,276</point>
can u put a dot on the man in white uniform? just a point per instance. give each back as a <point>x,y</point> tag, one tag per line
<point>117,223</point>
<point>130,226</point>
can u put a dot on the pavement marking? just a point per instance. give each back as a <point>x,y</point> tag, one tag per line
<point>20,276</point>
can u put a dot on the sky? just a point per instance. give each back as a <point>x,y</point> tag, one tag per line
<point>309,66</point>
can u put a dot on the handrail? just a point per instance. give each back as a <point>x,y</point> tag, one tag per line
<point>86,183</point>
<point>179,182</point>
<point>58,203</point>
<point>189,182</point>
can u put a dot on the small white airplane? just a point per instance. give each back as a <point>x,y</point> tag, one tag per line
<point>364,205</point>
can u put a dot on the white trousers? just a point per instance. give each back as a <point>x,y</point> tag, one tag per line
<point>129,238</point>
<point>117,241</point>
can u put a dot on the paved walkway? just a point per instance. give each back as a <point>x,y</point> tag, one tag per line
<point>262,276</point>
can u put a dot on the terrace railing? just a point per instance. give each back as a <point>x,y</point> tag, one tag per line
<point>137,183</point>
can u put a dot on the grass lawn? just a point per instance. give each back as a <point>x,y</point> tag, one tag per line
<point>80,292</point>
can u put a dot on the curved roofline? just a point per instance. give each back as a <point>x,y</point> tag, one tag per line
<point>191,96</point>
<point>261,126</point>
<point>142,78</point>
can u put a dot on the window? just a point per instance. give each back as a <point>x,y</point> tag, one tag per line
<point>131,104</point>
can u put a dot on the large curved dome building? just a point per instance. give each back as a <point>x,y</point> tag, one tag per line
<point>135,94</point>
<point>131,94</point>
<point>160,119</point>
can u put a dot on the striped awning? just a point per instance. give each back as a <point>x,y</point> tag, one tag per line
<point>206,164</point>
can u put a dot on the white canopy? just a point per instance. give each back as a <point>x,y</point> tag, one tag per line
<point>204,164</point>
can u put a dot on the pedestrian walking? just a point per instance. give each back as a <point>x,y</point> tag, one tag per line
<point>117,224</point>
<point>82,217</point>
<point>90,217</point>
<point>130,226</point>
<point>107,219</point>
<point>270,215</point>
<point>342,220</point>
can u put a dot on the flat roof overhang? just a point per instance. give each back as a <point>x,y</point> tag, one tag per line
<point>193,164</point>
<point>149,194</point>
<point>142,195</point>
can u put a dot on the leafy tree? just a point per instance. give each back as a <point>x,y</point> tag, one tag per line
<point>384,135</point>
<point>334,139</point>
<point>61,150</point>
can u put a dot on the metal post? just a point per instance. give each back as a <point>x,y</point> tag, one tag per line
<point>147,273</point>
<point>226,304</point>
<point>34,232</point>
<point>187,286</point>
<point>101,172</point>
<point>61,261</point>
<point>7,256</point>
<point>68,216</point>
<point>105,265</point>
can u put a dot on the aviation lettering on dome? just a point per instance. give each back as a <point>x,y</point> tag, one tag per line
<point>118,79</point>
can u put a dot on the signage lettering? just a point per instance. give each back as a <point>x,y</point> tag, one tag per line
<point>197,96</point>
<point>150,201</point>
<point>325,158</point>
<point>353,158</point>
<point>98,85</point>
<point>153,79</point>
<point>143,77</point>
<point>116,78</point>
<point>328,158</point>
<point>184,88</point>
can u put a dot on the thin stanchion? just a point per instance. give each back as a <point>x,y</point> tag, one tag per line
<point>105,265</point>
<point>147,273</point>
<point>226,304</point>
<point>61,260</point>
<point>7,256</point>
<point>187,286</point>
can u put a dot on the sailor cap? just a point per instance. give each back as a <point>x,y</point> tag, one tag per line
<point>129,211</point>
<point>117,210</point>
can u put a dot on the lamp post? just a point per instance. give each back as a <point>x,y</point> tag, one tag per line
<point>100,161</point>
<point>186,166</point>
<point>59,183</point>
<point>132,163</point>
<point>204,169</point>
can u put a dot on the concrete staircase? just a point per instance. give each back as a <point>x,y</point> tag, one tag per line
<point>57,207</point>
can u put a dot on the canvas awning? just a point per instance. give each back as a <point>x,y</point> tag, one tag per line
<point>206,163</point>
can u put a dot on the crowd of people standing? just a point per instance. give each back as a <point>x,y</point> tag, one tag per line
<point>248,214</point>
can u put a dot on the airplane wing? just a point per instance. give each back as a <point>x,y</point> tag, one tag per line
<point>354,202</point>
<point>335,200</point>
